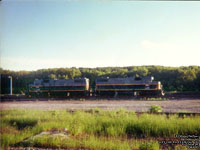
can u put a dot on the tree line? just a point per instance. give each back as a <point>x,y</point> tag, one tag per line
<point>172,78</point>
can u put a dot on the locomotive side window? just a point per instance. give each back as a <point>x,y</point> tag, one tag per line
<point>147,86</point>
<point>37,88</point>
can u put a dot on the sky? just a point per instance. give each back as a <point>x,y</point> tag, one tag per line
<point>38,34</point>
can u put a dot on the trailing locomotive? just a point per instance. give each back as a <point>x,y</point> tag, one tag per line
<point>128,86</point>
<point>132,86</point>
<point>59,88</point>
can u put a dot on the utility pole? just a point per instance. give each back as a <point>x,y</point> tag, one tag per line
<point>10,77</point>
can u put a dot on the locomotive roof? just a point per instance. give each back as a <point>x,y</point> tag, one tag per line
<point>57,82</point>
<point>130,80</point>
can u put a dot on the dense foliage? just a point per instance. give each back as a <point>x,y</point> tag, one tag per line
<point>172,78</point>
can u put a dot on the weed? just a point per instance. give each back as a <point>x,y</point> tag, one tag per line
<point>155,109</point>
<point>154,98</point>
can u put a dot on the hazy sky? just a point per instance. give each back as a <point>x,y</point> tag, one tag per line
<point>46,34</point>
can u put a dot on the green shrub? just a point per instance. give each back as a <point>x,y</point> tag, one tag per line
<point>22,123</point>
<point>146,146</point>
<point>155,109</point>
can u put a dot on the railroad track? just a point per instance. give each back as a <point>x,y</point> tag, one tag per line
<point>170,96</point>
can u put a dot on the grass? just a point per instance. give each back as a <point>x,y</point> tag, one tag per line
<point>110,130</point>
<point>154,98</point>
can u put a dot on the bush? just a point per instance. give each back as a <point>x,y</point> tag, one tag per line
<point>146,146</point>
<point>23,123</point>
<point>155,109</point>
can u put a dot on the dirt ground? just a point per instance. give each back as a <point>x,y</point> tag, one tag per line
<point>189,105</point>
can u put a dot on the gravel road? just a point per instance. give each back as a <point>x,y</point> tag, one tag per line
<point>190,105</point>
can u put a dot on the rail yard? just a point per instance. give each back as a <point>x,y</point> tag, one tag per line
<point>127,113</point>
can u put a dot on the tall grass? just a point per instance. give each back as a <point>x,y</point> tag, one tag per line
<point>102,130</point>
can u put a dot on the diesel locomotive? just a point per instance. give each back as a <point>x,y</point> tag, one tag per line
<point>59,88</point>
<point>128,86</point>
<point>132,86</point>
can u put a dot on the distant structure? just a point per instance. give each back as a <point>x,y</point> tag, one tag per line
<point>10,77</point>
<point>6,84</point>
